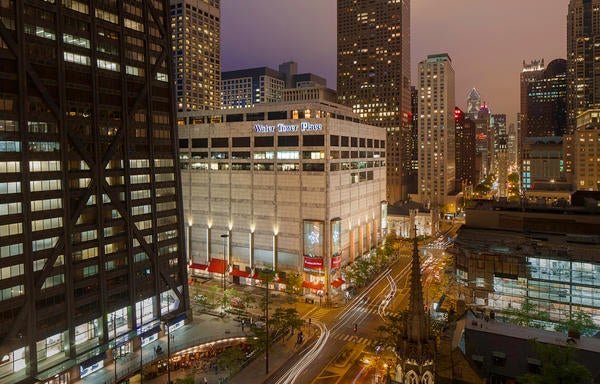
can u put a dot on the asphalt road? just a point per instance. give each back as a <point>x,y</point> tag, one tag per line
<point>334,351</point>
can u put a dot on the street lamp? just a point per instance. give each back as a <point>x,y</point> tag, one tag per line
<point>114,321</point>
<point>166,324</point>
<point>224,237</point>
<point>267,276</point>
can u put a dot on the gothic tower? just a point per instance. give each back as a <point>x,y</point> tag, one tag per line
<point>416,351</point>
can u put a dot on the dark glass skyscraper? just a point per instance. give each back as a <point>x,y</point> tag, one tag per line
<point>91,246</point>
<point>543,99</point>
<point>373,76</point>
<point>465,150</point>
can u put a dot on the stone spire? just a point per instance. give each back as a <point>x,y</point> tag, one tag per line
<point>416,352</point>
<point>418,320</point>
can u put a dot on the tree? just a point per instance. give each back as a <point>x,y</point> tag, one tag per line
<point>231,359</point>
<point>390,333</point>
<point>212,294</point>
<point>527,316</point>
<point>579,322</point>
<point>558,366</point>
<point>293,282</point>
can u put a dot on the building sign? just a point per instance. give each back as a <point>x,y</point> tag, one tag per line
<point>336,243</point>
<point>336,262</point>
<point>313,263</point>
<point>304,126</point>
<point>313,244</point>
<point>384,221</point>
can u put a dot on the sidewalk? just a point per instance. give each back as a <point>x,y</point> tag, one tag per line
<point>202,330</point>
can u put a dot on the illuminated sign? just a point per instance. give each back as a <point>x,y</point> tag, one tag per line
<point>313,263</point>
<point>304,126</point>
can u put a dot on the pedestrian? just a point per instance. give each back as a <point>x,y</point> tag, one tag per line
<point>205,380</point>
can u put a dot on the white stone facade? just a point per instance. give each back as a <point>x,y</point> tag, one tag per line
<point>262,182</point>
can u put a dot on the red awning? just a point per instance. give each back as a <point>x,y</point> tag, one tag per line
<point>200,267</point>
<point>239,273</point>
<point>216,265</point>
<point>337,283</point>
<point>311,285</point>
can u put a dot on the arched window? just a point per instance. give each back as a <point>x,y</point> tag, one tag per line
<point>411,378</point>
<point>427,378</point>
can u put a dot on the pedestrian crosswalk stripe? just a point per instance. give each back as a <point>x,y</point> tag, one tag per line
<point>354,339</point>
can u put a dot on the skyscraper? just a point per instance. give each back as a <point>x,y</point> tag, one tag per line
<point>373,76</point>
<point>465,149</point>
<point>436,129</point>
<point>544,98</point>
<point>473,103</point>
<point>583,42</point>
<point>91,246</point>
<point>196,37</point>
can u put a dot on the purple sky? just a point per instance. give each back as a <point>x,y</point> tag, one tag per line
<point>487,39</point>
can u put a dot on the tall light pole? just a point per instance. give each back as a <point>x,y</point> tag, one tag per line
<point>224,237</point>
<point>267,276</point>
<point>114,321</point>
<point>168,332</point>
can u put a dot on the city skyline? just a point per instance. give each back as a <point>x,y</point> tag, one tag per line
<point>244,40</point>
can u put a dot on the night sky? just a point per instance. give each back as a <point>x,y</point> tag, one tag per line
<point>486,39</point>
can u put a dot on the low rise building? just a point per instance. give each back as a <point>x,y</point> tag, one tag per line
<point>501,353</point>
<point>294,187</point>
<point>550,257</point>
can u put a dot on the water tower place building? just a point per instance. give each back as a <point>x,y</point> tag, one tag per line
<point>295,187</point>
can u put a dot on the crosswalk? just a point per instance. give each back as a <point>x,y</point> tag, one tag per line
<point>354,339</point>
<point>373,310</point>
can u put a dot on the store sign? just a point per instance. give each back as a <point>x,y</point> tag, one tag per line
<point>313,263</point>
<point>336,262</point>
<point>304,126</point>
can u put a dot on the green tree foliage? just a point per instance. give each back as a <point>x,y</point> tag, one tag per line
<point>231,359</point>
<point>390,333</point>
<point>293,283</point>
<point>580,322</point>
<point>558,366</point>
<point>527,316</point>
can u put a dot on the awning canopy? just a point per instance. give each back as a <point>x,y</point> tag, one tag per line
<point>311,285</point>
<point>217,266</point>
<point>337,282</point>
<point>200,267</point>
<point>239,273</point>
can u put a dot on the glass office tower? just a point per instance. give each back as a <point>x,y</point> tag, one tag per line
<point>91,247</point>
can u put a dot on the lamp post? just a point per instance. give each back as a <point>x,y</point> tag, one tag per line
<point>168,332</point>
<point>114,321</point>
<point>267,276</point>
<point>224,237</point>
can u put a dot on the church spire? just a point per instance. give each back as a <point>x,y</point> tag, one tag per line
<point>418,324</point>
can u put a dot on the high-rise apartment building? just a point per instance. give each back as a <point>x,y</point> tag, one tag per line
<point>499,133</point>
<point>373,76</point>
<point>465,149</point>
<point>587,151</point>
<point>484,140</point>
<point>196,34</point>
<point>583,48</point>
<point>436,129</point>
<point>245,88</point>
<point>413,173</point>
<point>91,246</point>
